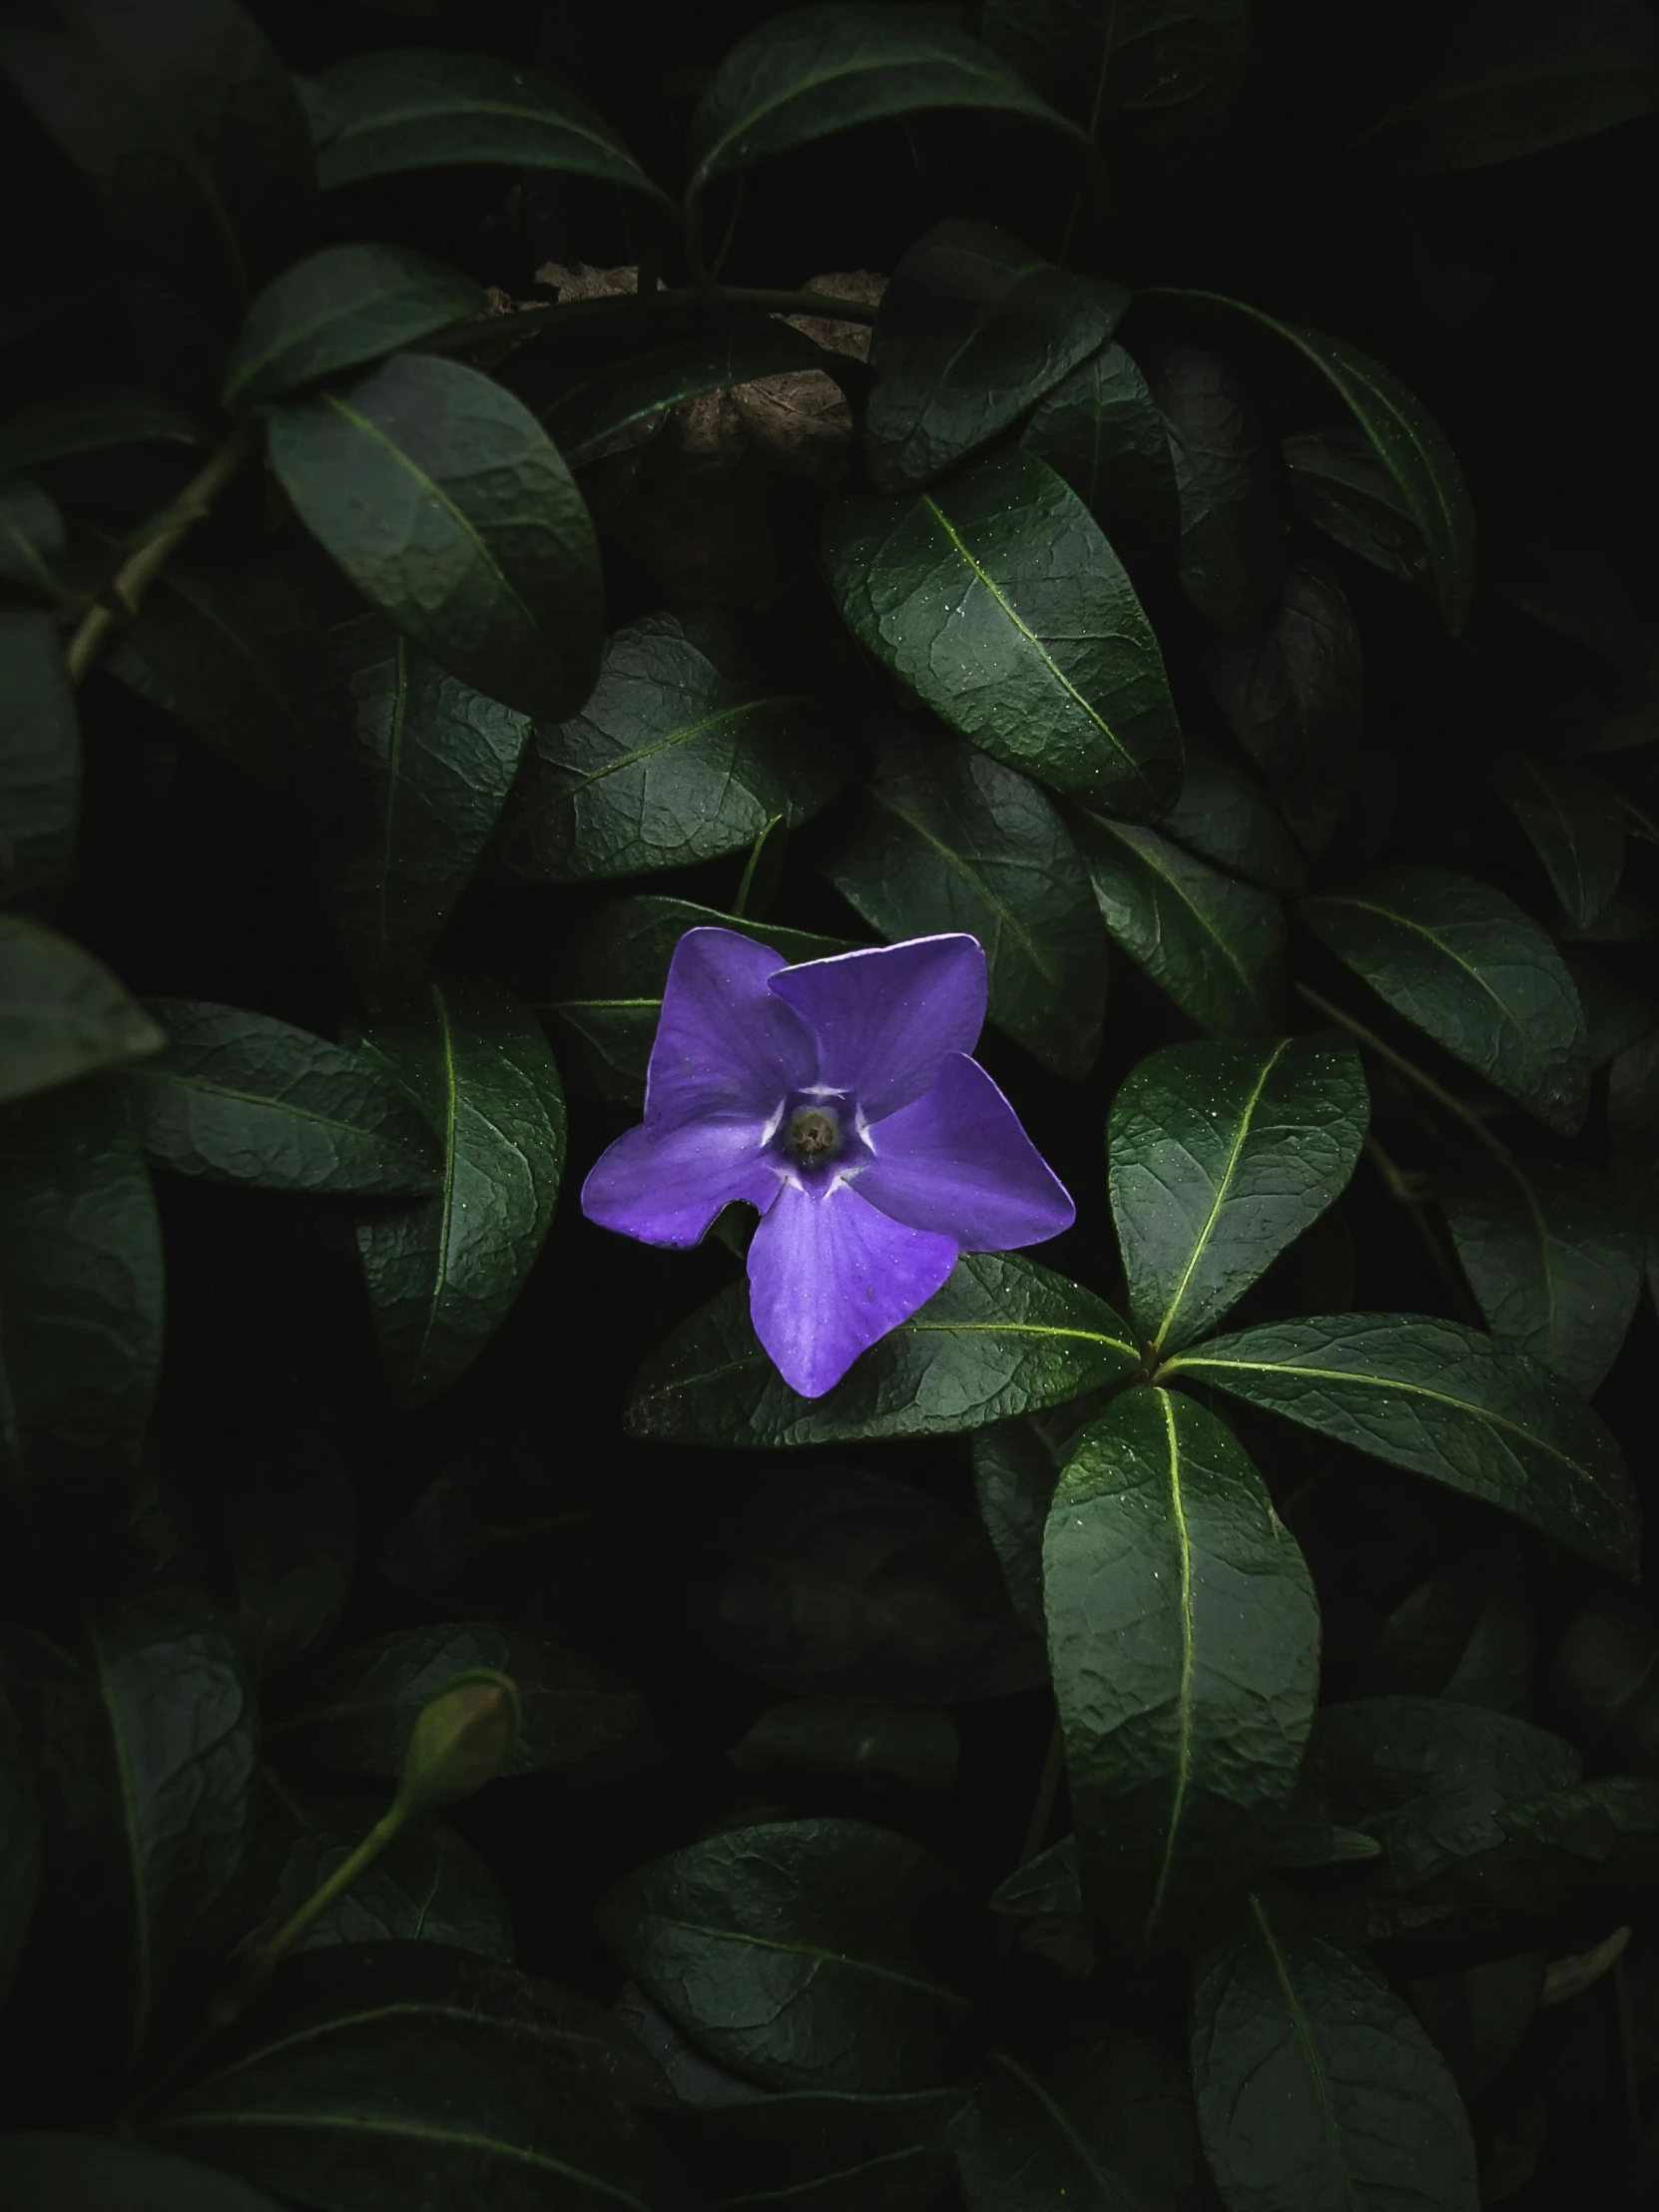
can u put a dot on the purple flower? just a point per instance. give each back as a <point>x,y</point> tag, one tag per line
<point>838,1099</point>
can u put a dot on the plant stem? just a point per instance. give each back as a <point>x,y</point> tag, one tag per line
<point>262,1961</point>
<point>142,566</point>
<point>1408,1068</point>
<point>1398,1185</point>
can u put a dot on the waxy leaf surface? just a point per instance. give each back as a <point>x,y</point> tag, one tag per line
<point>1100,430</point>
<point>1573,822</point>
<point>343,306</point>
<point>1230,487</point>
<point>62,1013</point>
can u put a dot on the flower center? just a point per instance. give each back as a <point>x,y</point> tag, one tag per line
<point>815,1133</point>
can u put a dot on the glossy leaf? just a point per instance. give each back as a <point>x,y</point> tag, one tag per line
<point>142,1728</point>
<point>1316,2083</point>
<point>1223,814</point>
<point>603,988</point>
<point>89,2173</point>
<point>948,838</point>
<point>1466,964</point>
<point>1184,1643</point>
<point>1152,84</point>
<point>239,1097</point>
<point>1230,487</point>
<point>1003,1337</point>
<point>972,330</point>
<point>687,747</point>
<point>40,760</point>
<point>1573,822</point>
<point>820,1954</point>
<point>31,544</point>
<point>352,1711</point>
<point>378,115</point>
<point>1100,430</point>
<point>1553,1255</point>
<point>80,1295</point>
<point>1213,945</point>
<point>62,1013</point>
<point>1601,1839</point>
<point>855,1587</point>
<point>1501,84</point>
<point>426,1886</point>
<point>95,420</point>
<point>1220,1156</point>
<point>813,71</point>
<point>1293,699</point>
<point>443,1275</point>
<point>343,306</point>
<point>1082,2110</point>
<point>407,782</point>
<point>1340,483</point>
<point>447,506</point>
<point>1411,444</point>
<point>19,1848</point>
<point>997,599</point>
<point>1446,1401</point>
<point>185,121</point>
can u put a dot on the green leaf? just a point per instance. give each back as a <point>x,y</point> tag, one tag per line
<point>855,1587</point>
<point>1317,2085</point>
<point>972,330</point>
<point>1616,1016</point>
<point>447,506</point>
<point>1574,823</point>
<point>62,1013</point>
<point>92,2173</point>
<point>1341,484</point>
<point>820,1954</point>
<point>1100,430</point>
<point>224,644</point>
<point>443,1275</point>
<point>597,381</point>
<point>1604,1682</point>
<point>1599,1840</point>
<point>426,1886</point>
<point>80,1313</point>
<point>19,1848</point>
<point>1503,82</point>
<point>1152,84</point>
<point>1292,698</point>
<point>603,987</point>
<point>826,1745</point>
<point>143,1728</point>
<point>824,2151</point>
<point>948,838</point>
<point>239,1097</point>
<point>1553,1255</point>
<point>997,599</point>
<point>1411,444</point>
<point>1215,946</point>
<point>352,1711</point>
<point>187,124</point>
<point>1220,1156</point>
<point>343,306</point>
<point>1467,966</point>
<point>823,69</point>
<point>1047,1887</point>
<point>1016,1464</point>
<point>1230,487</point>
<point>687,747</point>
<point>1467,1632</point>
<point>407,782</point>
<point>1184,1641</point>
<point>1003,1337</point>
<point>379,115</point>
<point>1082,2111</point>
<point>1446,1401</point>
<point>95,420</point>
<point>1223,815</point>
<point>31,543</point>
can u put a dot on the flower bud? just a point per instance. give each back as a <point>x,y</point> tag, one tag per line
<point>460,1740</point>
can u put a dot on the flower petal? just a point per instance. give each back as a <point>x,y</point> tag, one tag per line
<point>829,1276</point>
<point>886,1017</point>
<point>725,1044</point>
<point>958,1163</point>
<point>666,1186</point>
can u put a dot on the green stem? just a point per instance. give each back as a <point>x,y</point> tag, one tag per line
<point>1398,1187</point>
<point>262,1963</point>
<point>142,566</point>
<point>1408,1068</point>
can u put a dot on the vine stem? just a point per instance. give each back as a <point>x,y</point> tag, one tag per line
<point>1397,1184</point>
<point>617,306</point>
<point>142,566</point>
<point>1408,1068</point>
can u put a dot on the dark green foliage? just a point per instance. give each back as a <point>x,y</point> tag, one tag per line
<point>1158,486</point>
